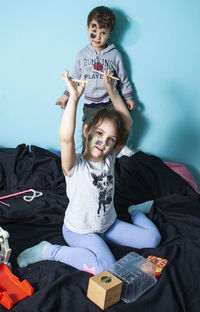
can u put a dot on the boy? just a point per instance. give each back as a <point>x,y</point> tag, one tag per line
<point>99,55</point>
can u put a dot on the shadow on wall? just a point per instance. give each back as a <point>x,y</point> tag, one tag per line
<point>184,134</point>
<point>126,26</point>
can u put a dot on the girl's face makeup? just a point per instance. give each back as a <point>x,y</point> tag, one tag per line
<point>101,140</point>
<point>97,36</point>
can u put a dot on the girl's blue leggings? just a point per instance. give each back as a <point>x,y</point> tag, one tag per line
<point>90,253</point>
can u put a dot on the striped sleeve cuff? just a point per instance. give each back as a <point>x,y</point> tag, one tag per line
<point>128,96</point>
<point>66,93</point>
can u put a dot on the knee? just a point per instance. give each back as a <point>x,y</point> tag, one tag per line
<point>104,265</point>
<point>154,239</point>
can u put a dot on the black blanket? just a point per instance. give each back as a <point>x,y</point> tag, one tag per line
<point>61,288</point>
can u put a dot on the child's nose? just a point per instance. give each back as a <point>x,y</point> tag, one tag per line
<point>104,143</point>
<point>98,35</point>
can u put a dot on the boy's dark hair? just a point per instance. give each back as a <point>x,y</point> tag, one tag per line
<point>104,17</point>
<point>113,115</point>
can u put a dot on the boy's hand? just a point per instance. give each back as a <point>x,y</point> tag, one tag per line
<point>62,101</point>
<point>130,104</point>
<point>75,89</point>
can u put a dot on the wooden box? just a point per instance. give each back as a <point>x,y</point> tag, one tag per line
<point>104,289</point>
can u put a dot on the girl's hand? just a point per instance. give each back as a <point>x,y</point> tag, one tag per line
<point>75,89</point>
<point>109,83</point>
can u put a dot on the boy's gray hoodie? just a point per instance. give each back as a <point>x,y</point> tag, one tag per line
<point>109,58</point>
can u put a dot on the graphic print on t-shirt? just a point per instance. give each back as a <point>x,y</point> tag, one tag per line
<point>104,184</point>
<point>98,66</point>
<point>98,63</point>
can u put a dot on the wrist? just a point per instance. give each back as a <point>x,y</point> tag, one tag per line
<point>74,97</point>
<point>113,93</point>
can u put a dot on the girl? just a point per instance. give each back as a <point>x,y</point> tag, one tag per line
<point>90,219</point>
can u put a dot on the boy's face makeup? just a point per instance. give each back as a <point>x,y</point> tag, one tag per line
<point>101,139</point>
<point>98,36</point>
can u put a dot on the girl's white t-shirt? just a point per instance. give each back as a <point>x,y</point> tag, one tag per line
<point>90,189</point>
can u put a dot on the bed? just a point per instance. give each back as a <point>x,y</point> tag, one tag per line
<point>141,177</point>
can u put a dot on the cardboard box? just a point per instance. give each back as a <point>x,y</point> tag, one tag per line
<point>104,289</point>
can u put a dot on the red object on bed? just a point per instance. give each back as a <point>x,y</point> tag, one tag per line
<point>184,173</point>
<point>12,290</point>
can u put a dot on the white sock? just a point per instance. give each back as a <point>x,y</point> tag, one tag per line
<point>144,207</point>
<point>34,254</point>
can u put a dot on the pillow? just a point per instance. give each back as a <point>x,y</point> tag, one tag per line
<point>184,173</point>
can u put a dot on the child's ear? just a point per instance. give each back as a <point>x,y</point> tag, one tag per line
<point>85,130</point>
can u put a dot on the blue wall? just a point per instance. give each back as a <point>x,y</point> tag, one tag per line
<point>160,44</point>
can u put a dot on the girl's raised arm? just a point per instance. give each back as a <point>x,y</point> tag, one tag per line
<point>118,104</point>
<point>68,123</point>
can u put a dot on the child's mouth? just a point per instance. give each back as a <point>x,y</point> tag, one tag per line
<point>99,148</point>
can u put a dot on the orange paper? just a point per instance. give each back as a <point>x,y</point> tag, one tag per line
<point>159,262</point>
